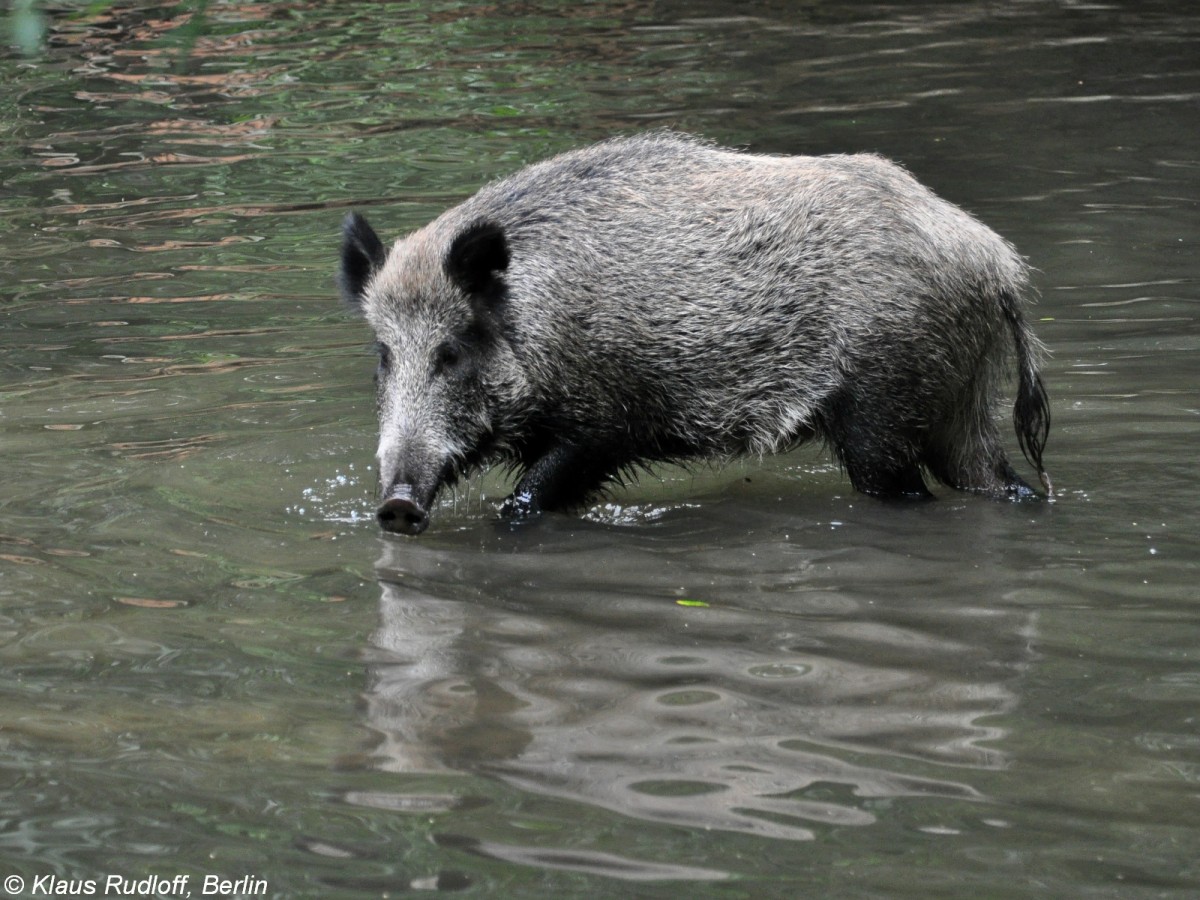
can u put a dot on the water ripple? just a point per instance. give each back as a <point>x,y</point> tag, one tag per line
<point>715,716</point>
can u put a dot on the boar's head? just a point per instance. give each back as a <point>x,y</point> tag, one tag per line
<point>446,374</point>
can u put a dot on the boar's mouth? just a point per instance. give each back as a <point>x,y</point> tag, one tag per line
<point>401,512</point>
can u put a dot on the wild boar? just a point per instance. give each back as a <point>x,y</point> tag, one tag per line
<point>657,298</point>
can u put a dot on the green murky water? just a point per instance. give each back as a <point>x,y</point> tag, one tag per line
<point>747,682</point>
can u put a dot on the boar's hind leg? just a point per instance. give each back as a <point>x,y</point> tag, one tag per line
<point>987,473</point>
<point>562,478</point>
<point>1015,487</point>
<point>968,454</point>
<point>882,471</point>
<point>885,480</point>
<point>871,446</point>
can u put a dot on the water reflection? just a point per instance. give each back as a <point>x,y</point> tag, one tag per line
<point>587,670</point>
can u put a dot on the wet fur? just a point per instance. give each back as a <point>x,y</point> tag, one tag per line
<point>657,298</point>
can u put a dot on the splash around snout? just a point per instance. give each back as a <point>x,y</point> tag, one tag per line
<point>401,512</point>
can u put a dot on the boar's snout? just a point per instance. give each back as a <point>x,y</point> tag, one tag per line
<point>400,513</point>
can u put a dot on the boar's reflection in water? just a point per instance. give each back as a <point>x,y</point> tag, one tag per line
<point>657,298</point>
<point>574,674</point>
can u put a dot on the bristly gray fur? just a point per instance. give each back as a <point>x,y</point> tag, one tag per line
<point>656,297</point>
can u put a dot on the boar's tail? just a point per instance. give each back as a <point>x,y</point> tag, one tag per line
<point>1031,411</point>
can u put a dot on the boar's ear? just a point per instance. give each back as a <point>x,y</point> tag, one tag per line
<point>477,256</point>
<point>362,255</point>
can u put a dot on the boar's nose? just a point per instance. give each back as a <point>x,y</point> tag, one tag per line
<point>400,513</point>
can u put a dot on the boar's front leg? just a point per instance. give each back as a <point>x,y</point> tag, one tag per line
<point>562,478</point>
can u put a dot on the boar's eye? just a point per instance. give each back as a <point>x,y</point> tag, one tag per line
<point>385,359</point>
<point>448,357</point>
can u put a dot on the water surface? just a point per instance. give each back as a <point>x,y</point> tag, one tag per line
<point>737,681</point>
